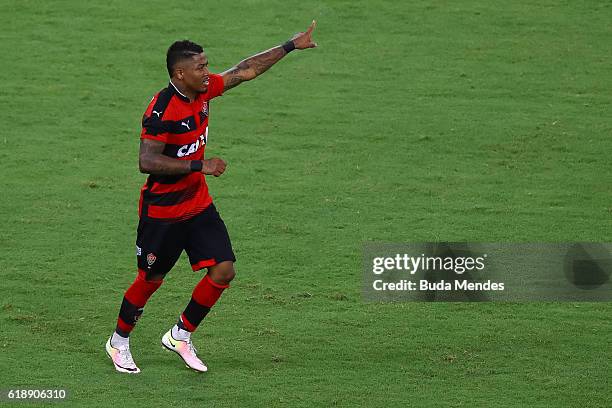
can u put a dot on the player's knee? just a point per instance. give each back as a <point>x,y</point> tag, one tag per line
<point>155,278</point>
<point>150,276</point>
<point>227,273</point>
<point>230,275</point>
<point>223,273</point>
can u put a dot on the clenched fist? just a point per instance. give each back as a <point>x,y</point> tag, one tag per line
<point>214,166</point>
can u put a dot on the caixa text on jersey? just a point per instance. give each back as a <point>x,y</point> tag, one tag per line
<point>189,149</point>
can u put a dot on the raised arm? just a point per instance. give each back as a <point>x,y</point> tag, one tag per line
<point>256,65</point>
<point>151,160</point>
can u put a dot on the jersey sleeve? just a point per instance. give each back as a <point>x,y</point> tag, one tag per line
<point>153,127</point>
<point>215,83</point>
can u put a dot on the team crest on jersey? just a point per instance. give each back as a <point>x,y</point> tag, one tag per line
<point>151,259</point>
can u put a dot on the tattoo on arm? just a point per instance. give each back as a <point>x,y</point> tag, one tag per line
<point>232,77</point>
<point>252,67</point>
<point>152,161</point>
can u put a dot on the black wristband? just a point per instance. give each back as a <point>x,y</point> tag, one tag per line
<point>289,46</point>
<point>196,165</point>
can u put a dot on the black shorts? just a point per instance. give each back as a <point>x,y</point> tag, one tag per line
<point>204,238</point>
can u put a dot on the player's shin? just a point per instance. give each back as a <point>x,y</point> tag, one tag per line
<point>205,295</point>
<point>134,301</point>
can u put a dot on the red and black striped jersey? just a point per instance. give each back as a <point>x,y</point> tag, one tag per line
<point>183,126</point>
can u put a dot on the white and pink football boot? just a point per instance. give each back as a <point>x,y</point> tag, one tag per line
<point>185,349</point>
<point>122,358</point>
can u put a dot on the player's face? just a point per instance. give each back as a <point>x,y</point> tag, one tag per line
<point>195,73</point>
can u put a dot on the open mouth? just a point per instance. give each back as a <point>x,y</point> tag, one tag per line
<point>205,82</point>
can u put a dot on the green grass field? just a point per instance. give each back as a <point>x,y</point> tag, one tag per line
<point>418,121</point>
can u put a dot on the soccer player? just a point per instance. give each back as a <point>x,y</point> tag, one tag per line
<point>176,211</point>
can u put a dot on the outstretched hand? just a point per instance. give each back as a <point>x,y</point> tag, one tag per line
<point>304,40</point>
